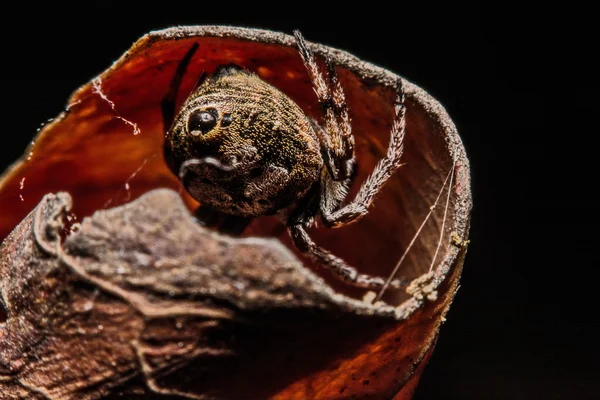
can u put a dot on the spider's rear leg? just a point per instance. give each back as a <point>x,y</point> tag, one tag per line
<point>302,217</point>
<point>335,264</point>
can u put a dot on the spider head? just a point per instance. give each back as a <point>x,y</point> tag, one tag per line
<point>242,146</point>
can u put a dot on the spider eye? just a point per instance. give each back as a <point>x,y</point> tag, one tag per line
<point>226,120</point>
<point>202,121</point>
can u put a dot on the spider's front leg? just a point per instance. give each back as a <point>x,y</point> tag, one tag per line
<point>333,216</point>
<point>337,145</point>
<point>335,139</point>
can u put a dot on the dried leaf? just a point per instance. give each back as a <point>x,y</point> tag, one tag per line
<point>141,300</point>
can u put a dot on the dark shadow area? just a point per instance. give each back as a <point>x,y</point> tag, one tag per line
<point>3,315</point>
<point>276,351</point>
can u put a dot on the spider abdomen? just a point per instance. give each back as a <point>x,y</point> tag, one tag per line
<point>257,151</point>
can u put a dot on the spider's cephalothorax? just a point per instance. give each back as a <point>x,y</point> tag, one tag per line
<point>261,153</point>
<point>244,149</point>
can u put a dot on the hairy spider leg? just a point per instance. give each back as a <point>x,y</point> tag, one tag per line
<point>338,149</point>
<point>384,169</point>
<point>336,140</point>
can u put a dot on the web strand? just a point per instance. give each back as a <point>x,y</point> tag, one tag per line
<point>414,239</point>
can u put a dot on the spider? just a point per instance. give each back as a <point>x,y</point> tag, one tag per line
<point>244,149</point>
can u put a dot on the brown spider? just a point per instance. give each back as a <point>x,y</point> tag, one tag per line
<point>244,149</point>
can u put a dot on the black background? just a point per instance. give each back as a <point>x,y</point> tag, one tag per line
<point>518,83</point>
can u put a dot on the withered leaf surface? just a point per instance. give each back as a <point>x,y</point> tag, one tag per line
<point>142,300</point>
